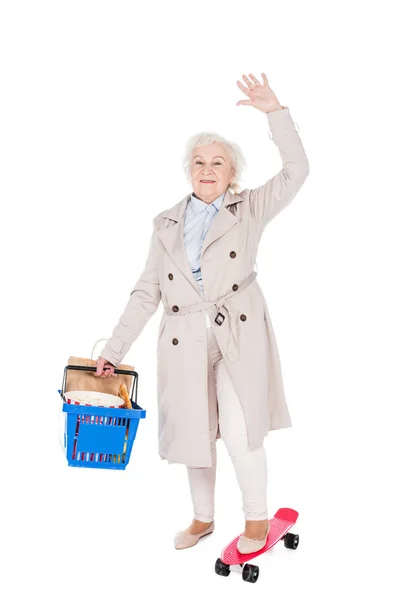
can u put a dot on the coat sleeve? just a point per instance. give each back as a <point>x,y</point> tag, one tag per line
<point>266,201</point>
<point>142,304</point>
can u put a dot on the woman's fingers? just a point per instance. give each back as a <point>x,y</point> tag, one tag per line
<point>245,102</point>
<point>265,80</point>
<point>249,83</point>
<point>252,84</point>
<point>244,89</point>
<point>100,366</point>
<point>104,368</point>
<point>108,374</point>
<point>255,80</point>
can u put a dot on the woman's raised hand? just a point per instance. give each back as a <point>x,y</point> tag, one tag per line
<point>104,368</point>
<point>260,94</point>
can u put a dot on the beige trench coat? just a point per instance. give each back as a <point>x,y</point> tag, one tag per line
<point>186,413</point>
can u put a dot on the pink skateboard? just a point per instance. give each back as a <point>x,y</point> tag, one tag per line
<point>281,522</point>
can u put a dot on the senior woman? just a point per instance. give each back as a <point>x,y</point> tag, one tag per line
<point>218,366</point>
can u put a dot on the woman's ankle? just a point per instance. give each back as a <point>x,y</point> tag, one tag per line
<point>201,522</point>
<point>197,526</point>
<point>256,528</point>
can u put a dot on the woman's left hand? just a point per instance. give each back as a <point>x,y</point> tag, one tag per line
<point>261,96</point>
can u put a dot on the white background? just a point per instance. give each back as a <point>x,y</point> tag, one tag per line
<point>97,102</point>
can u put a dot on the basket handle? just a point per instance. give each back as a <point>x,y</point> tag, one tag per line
<point>134,374</point>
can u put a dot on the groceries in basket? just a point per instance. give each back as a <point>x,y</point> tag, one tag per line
<point>123,392</point>
<point>101,418</point>
<point>93,398</point>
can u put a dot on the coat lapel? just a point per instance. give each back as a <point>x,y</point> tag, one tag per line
<point>172,236</point>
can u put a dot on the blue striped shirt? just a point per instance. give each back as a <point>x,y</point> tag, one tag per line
<point>198,217</point>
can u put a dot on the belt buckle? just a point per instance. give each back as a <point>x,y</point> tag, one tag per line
<point>219,318</point>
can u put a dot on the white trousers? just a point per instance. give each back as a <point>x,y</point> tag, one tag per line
<point>250,467</point>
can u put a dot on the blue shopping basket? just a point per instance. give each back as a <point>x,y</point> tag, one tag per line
<point>97,437</point>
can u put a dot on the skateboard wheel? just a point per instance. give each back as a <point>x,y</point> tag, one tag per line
<point>250,573</point>
<point>221,568</point>
<point>291,540</point>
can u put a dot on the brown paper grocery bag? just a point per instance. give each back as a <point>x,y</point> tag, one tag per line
<point>87,380</point>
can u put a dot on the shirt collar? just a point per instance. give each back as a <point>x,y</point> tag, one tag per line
<point>198,205</point>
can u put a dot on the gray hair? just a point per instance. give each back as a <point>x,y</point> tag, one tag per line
<point>205,138</point>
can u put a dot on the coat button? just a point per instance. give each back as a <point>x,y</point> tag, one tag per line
<point>175,308</point>
<point>175,341</point>
<point>243,317</point>
<point>235,287</point>
<point>232,254</point>
<point>170,276</point>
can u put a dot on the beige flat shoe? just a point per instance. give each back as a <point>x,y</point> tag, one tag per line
<point>247,545</point>
<point>186,540</point>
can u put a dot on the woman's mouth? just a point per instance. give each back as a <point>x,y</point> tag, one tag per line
<point>206,181</point>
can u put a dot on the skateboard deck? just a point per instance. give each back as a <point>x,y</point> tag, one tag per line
<point>281,522</point>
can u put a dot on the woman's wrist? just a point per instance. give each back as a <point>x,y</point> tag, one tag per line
<point>278,107</point>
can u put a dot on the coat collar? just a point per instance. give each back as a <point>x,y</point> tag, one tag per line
<point>172,236</point>
<point>177,211</point>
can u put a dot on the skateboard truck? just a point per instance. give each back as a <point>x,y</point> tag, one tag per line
<point>247,571</point>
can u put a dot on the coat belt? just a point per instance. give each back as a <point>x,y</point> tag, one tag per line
<point>219,319</point>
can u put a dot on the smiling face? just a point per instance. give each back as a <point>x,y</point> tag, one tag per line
<point>210,164</point>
